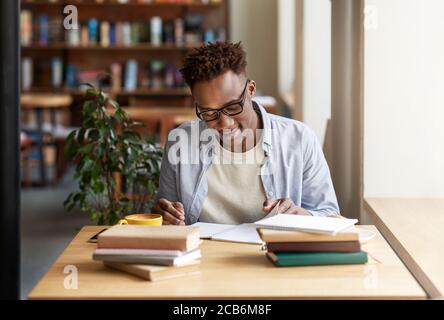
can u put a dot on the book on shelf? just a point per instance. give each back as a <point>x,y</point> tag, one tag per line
<point>72,37</point>
<point>131,75</point>
<point>156,30</point>
<point>288,259</point>
<point>155,273</point>
<point>84,37</point>
<point>90,76</point>
<point>135,33</point>
<point>221,35</point>
<point>93,35</point>
<point>169,81</point>
<point>144,29</point>
<point>71,76</point>
<point>119,33</point>
<point>43,29</point>
<point>42,73</point>
<point>179,32</point>
<point>116,76</point>
<point>112,34</point>
<point>126,34</point>
<point>164,260</point>
<point>271,236</point>
<point>56,72</point>
<point>26,27</point>
<point>183,238</point>
<point>55,30</point>
<point>104,34</point>
<point>209,36</point>
<point>27,73</point>
<point>168,32</point>
<point>156,72</point>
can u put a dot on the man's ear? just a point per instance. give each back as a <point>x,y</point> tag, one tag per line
<point>252,88</point>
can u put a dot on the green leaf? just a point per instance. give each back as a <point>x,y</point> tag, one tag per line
<point>81,135</point>
<point>113,103</point>
<point>101,219</point>
<point>70,148</point>
<point>89,107</point>
<point>101,98</point>
<point>120,114</point>
<point>91,92</point>
<point>93,134</point>
<point>86,149</point>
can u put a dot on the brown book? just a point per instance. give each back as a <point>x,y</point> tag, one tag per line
<point>183,238</point>
<point>270,235</point>
<point>154,273</point>
<point>336,246</point>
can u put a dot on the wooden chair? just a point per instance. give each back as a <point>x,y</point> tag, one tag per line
<point>25,159</point>
<point>166,117</point>
<point>38,103</point>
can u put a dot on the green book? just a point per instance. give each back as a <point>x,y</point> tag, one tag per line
<point>288,259</point>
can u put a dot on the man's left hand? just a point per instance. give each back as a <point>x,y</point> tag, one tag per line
<point>286,206</point>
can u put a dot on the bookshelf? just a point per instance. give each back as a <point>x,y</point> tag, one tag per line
<point>116,3</point>
<point>64,46</point>
<point>140,43</point>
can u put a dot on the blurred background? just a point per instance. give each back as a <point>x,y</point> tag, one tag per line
<point>365,75</point>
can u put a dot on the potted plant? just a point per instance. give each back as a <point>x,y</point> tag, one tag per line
<point>116,168</point>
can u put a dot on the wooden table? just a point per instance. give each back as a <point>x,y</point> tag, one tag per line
<point>415,230</point>
<point>233,270</point>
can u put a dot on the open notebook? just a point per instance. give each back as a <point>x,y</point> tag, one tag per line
<point>246,232</point>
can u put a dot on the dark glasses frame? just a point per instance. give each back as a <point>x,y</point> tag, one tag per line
<point>240,102</point>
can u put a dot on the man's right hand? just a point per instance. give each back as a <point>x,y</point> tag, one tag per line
<point>172,212</point>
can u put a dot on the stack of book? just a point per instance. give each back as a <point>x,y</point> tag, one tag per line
<point>296,248</point>
<point>150,252</point>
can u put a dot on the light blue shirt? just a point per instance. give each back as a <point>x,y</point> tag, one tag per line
<point>294,166</point>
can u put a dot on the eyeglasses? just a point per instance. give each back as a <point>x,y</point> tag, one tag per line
<point>230,109</point>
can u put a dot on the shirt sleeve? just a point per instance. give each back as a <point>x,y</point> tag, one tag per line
<point>318,194</point>
<point>167,182</point>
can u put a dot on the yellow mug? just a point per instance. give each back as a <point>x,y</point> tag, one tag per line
<point>146,219</point>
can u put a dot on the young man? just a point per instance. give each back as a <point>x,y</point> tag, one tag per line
<point>247,160</point>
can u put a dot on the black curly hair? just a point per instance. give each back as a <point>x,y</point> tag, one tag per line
<point>213,59</point>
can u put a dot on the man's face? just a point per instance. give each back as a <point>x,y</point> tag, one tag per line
<point>218,92</point>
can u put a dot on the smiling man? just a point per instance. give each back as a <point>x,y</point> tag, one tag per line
<point>248,160</point>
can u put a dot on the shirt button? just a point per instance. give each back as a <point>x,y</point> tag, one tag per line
<point>270,193</point>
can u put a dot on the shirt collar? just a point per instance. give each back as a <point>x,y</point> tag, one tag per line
<point>266,140</point>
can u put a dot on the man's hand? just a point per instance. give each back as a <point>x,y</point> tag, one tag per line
<point>172,212</point>
<point>286,206</point>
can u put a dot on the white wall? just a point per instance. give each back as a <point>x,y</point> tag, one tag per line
<point>286,45</point>
<point>254,22</point>
<point>316,97</point>
<point>404,100</point>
